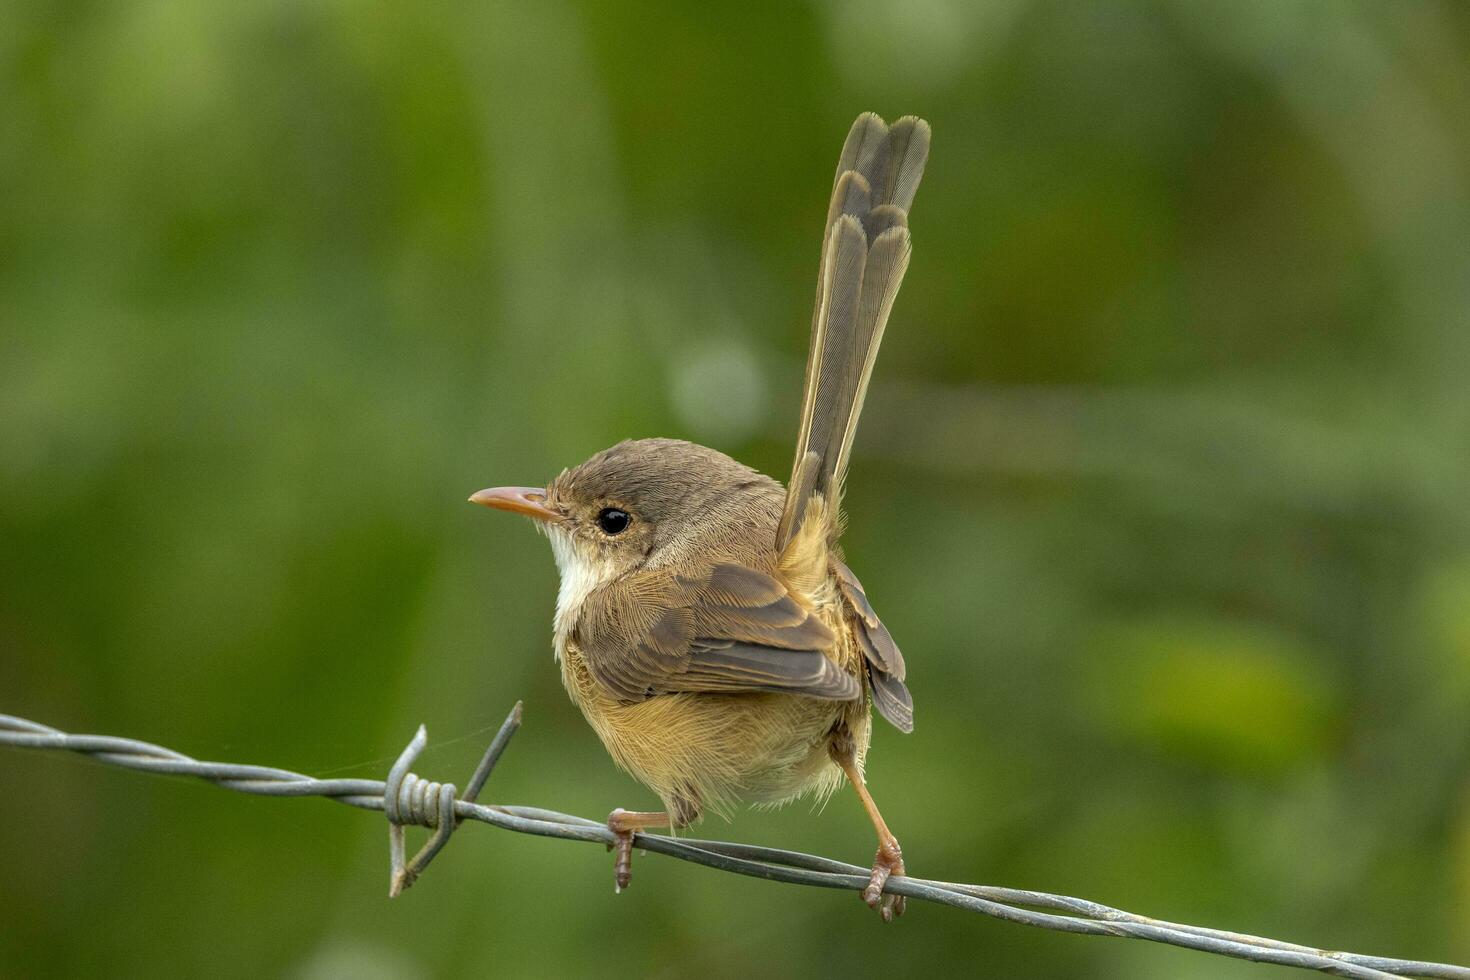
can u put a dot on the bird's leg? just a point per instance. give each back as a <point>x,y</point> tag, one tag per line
<point>889,859</point>
<point>684,809</point>
<point>624,823</point>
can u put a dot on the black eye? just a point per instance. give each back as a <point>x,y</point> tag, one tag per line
<point>612,520</point>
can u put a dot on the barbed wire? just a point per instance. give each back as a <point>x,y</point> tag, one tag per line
<point>407,799</point>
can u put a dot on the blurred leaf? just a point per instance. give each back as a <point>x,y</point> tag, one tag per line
<point>1223,695</point>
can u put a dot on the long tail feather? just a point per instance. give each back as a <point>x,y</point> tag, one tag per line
<point>865,252</point>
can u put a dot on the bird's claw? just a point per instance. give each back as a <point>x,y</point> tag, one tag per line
<point>623,848</point>
<point>886,863</point>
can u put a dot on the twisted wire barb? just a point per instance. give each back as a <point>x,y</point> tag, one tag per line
<point>408,799</point>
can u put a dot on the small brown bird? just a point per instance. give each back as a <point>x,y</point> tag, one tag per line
<point>707,625</point>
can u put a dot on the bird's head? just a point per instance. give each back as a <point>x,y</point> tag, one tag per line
<point>642,503</point>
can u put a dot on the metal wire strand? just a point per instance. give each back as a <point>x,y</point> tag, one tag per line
<point>408,799</point>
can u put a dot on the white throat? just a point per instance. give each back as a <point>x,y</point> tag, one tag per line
<point>579,578</point>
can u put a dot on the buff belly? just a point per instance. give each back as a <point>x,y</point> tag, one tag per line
<point>706,752</point>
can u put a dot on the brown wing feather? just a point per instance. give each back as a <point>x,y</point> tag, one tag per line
<point>735,629</point>
<point>885,663</point>
<point>892,699</point>
<point>750,667</point>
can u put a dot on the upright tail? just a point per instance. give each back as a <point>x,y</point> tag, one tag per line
<point>865,251</point>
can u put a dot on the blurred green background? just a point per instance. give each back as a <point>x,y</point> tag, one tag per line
<point>1162,486</point>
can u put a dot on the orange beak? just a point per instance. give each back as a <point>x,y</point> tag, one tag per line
<point>518,500</point>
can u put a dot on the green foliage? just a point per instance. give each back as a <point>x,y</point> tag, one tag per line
<point>1228,699</point>
<point>1161,486</point>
